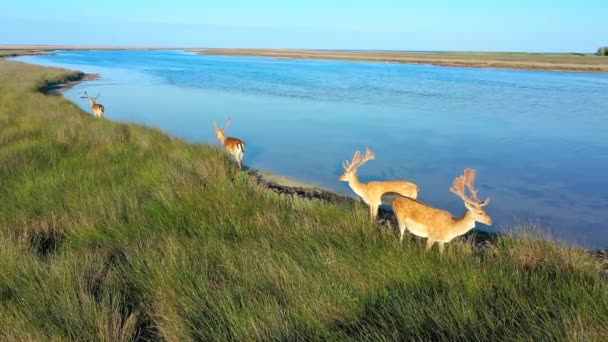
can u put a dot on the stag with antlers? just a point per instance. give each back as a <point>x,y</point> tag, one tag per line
<point>234,146</point>
<point>98,109</point>
<point>438,225</point>
<point>371,193</point>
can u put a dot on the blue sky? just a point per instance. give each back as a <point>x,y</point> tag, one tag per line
<point>513,25</point>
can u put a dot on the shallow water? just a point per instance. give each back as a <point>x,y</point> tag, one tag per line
<point>538,139</point>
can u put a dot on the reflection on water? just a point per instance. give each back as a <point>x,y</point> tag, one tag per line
<point>537,138</point>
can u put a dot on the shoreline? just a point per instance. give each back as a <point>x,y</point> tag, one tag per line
<point>275,182</point>
<point>60,88</point>
<point>478,60</point>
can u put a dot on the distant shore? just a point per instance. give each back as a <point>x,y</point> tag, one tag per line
<point>501,60</point>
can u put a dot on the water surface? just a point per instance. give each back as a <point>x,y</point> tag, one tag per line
<point>538,139</point>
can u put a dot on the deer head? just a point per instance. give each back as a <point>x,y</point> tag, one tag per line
<point>350,168</point>
<point>220,132</point>
<point>91,99</point>
<point>473,204</point>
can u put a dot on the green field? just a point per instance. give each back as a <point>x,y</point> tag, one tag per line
<point>118,232</point>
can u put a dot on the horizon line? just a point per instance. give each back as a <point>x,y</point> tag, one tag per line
<point>170,47</point>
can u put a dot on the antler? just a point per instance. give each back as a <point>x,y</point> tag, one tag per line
<point>358,160</point>
<point>369,155</point>
<point>468,179</point>
<point>348,166</point>
<point>86,96</point>
<point>228,122</point>
<point>215,124</point>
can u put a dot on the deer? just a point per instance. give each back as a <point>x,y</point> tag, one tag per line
<point>371,193</point>
<point>438,225</point>
<point>98,109</point>
<point>234,146</point>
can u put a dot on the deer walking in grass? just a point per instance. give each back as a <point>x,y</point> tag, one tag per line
<point>98,109</point>
<point>371,193</point>
<point>234,146</point>
<point>438,225</point>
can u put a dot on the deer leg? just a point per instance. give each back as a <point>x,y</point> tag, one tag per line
<point>235,155</point>
<point>239,162</point>
<point>401,231</point>
<point>441,244</point>
<point>429,244</point>
<point>374,211</point>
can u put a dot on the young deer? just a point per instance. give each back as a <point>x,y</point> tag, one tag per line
<point>372,192</point>
<point>234,146</point>
<point>98,109</point>
<point>438,225</point>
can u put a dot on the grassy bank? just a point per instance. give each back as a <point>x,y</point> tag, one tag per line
<point>505,60</point>
<point>118,232</point>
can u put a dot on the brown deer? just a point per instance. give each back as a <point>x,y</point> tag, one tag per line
<point>98,109</point>
<point>371,193</point>
<point>234,146</point>
<point>438,225</point>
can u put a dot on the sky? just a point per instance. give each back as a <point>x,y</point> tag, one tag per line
<point>432,25</point>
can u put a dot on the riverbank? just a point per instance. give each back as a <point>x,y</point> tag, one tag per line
<point>113,231</point>
<point>59,88</point>
<point>500,60</point>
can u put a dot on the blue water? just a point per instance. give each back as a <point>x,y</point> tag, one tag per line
<point>538,139</point>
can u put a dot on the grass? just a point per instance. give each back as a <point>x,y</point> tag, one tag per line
<point>118,232</point>
<point>506,60</point>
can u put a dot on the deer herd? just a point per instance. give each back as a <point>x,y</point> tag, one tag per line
<point>420,219</point>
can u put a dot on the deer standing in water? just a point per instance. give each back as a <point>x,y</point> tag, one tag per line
<point>98,109</point>
<point>438,225</point>
<point>371,193</point>
<point>234,146</point>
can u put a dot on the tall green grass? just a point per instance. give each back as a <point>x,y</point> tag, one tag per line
<point>118,232</point>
